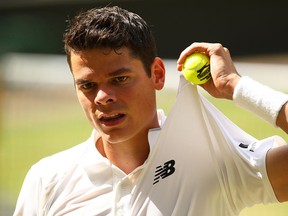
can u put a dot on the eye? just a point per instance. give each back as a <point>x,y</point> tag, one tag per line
<point>87,86</point>
<point>120,79</point>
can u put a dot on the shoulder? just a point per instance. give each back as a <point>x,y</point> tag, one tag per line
<point>65,156</point>
<point>55,166</point>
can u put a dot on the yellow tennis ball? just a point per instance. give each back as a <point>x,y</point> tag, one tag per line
<point>196,68</point>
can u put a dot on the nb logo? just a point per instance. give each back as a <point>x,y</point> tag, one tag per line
<point>164,171</point>
<point>249,147</point>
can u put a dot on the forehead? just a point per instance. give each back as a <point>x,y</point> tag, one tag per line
<point>101,53</point>
<point>103,61</point>
<point>99,56</point>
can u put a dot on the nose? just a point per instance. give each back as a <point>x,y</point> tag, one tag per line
<point>104,96</point>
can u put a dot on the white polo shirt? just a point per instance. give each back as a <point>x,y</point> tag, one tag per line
<point>200,164</point>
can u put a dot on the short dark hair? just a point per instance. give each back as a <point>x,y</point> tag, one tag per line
<point>111,27</point>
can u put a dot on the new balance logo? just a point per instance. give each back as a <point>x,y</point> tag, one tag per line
<point>249,147</point>
<point>164,171</point>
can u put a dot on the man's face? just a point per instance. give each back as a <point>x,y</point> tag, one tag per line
<point>116,94</point>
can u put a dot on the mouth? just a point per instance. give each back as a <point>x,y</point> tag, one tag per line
<point>111,120</point>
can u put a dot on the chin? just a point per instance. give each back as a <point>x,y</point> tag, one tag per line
<point>116,138</point>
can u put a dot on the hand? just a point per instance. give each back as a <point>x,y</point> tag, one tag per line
<point>224,74</point>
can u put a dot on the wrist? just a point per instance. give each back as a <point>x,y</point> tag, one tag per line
<point>232,85</point>
<point>259,99</point>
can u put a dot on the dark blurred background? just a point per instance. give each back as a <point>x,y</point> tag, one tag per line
<point>246,28</point>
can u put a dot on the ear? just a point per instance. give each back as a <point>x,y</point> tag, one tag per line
<point>158,73</point>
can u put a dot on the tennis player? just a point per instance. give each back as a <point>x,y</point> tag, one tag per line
<point>137,161</point>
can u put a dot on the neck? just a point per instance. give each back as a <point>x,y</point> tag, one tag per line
<point>128,155</point>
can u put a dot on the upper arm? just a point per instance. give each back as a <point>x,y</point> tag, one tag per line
<point>282,118</point>
<point>277,170</point>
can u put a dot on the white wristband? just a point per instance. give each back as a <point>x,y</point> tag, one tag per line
<point>259,99</point>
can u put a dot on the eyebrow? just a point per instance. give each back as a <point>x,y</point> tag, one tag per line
<point>119,72</point>
<point>81,81</point>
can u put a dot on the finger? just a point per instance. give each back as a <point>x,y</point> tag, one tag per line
<point>183,55</point>
<point>194,47</point>
<point>209,86</point>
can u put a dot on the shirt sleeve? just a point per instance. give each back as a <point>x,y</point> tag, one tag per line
<point>240,159</point>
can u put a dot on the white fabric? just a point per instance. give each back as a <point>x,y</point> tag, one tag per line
<point>259,99</point>
<point>195,167</point>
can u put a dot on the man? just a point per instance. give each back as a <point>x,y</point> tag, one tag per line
<point>196,163</point>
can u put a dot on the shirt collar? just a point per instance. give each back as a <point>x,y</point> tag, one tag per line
<point>93,162</point>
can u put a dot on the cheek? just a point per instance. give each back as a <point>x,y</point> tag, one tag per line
<point>88,110</point>
<point>86,104</point>
<point>144,99</point>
